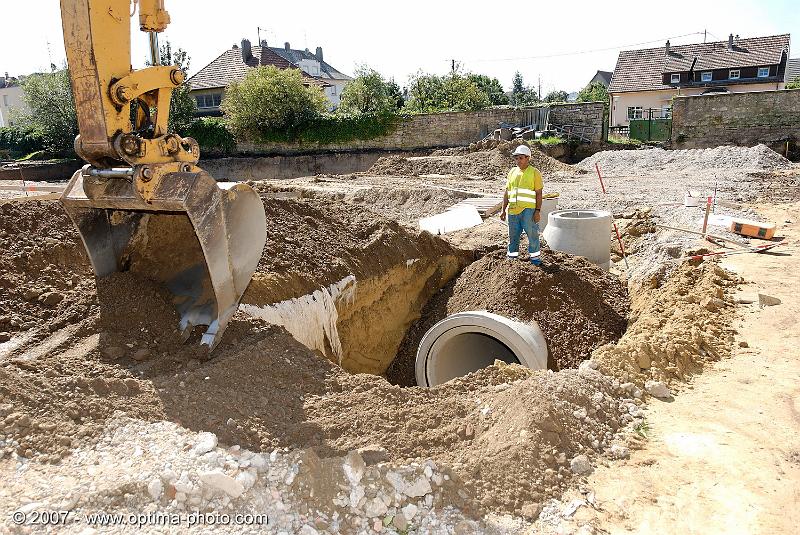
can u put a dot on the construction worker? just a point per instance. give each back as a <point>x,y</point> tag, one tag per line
<point>523,199</point>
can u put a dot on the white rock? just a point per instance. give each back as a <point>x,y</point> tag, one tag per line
<point>258,462</point>
<point>354,467</point>
<point>397,481</point>
<point>205,442</point>
<point>618,451</point>
<point>247,479</point>
<point>410,511</point>
<point>218,480</point>
<point>418,488</point>
<point>356,494</point>
<point>657,389</point>
<point>375,507</point>
<point>308,530</point>
<point>580,464</point>
<point>154,488</point>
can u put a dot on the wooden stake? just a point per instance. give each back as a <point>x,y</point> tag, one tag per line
<point>705,219</point>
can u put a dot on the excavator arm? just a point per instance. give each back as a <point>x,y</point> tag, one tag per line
<point>142,203</point>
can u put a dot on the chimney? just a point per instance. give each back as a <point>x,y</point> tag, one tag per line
<point>235,47</point>
<point>264,43</point>
<point>666,48</point>
<point>318,54</point>
<point>286,46</point>
<point>247,53</point>
<point>730,42</point>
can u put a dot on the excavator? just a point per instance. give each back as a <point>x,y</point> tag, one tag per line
<point>141,203</point>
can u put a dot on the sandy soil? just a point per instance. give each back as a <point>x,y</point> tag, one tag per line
<point>723,457</point>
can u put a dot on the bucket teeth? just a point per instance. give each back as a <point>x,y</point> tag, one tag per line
<point>201,239</point>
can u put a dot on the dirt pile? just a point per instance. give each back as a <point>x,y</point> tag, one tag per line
<point>487,164</point>
<point>578,306</point>
<point>674,329</point>
<point>685,162</point>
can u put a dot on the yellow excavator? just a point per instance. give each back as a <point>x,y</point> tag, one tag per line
<point>142,203</point>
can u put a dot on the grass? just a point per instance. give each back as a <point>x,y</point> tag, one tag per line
<point>555,140</point>
<point>623,140</point>
<point>642,429</point>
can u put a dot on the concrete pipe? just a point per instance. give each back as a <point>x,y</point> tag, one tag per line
<point>585,233</point>
<point>468,341</point>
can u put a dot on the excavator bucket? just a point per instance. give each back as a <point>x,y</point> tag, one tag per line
<point>201,239</point>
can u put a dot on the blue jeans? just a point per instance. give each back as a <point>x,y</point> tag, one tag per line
<point>523,222</point>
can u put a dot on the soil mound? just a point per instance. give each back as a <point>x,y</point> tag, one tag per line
<point>577,305</point>
<point>488,164</point>
<point>675,328</point>
<point>685,162</point>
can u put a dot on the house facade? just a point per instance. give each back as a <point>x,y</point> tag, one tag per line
<point>648,79</point>
<point>793,70</point>
<point>209,84</point>
<point>10,99</point>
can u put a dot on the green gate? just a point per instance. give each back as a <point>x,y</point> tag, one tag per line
<point>657,126</point>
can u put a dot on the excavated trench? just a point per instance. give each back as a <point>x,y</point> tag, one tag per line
<point>334,281</point>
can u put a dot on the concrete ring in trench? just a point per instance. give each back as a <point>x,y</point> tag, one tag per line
<point>468,341</point>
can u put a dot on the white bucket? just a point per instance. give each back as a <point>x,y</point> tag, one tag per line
<point>691,198</point>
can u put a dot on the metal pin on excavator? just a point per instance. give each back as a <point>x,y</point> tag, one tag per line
<point>141,203</point>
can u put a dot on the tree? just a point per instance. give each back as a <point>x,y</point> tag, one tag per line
<point>556,96</point>
<point>396,95</point>
<point>429,93</point>
<point>368,92</point>
<point>51,112</point>
<point>517,85</point>
<point>492,87</point>
<point>520,94</point>
<point>270,100</point>
<point>182,106</point>
<point>594,92</point>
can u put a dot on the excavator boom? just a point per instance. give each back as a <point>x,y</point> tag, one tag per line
<point>142,203</point>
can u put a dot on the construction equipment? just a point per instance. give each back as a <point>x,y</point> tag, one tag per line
<point>142,203</point>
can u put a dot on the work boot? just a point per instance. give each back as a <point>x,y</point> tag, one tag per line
<point>512,256</point>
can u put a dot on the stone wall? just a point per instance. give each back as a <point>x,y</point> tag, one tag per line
<point>747,119</point>
<point>439,130</point>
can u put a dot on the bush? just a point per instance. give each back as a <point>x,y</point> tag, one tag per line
<point>269,101</point>
<point>794,84</point>
<point>52,111</point>
<point>17,141</point>
<point>429,93</point>
<point>594,92</point>
<point>212,135</point>
<point>556,96</point>
<point>368,93</point>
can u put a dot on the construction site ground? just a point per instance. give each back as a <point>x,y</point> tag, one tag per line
<point>674,410</point>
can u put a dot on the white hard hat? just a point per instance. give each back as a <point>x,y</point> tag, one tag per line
<point>522,149</point>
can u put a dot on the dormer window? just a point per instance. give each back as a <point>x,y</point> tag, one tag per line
<point>734,74</point>
<point>674,78</point>
<point>706,76</point>
<point>763,72</point>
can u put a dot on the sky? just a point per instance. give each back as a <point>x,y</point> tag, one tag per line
<point>558,44</point>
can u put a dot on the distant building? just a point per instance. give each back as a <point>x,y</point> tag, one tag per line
<point>208,85</point>
<point>649,78</point>
<point>793,70</point>
<point>604,77</point>
<point>10,99</point>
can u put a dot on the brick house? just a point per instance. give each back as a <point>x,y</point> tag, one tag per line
<point>208,85</point>
<point>649,78</point>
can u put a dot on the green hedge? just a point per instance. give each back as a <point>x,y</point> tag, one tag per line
<point>335,128</point>
<point>211,134</point>
<point>18,141</point>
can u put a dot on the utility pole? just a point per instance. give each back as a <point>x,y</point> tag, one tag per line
<point>704,35</point>
<point>540,87</point>
<point>452,65</point>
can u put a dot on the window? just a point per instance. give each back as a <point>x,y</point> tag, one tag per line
<point>211,100</point>
<point>734,74</point>
<point>763,72</point>
<point>635,112</point>
<point>674,78</point>
<point>706,76</point>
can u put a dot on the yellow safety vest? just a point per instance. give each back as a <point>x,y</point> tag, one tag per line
<point>521,187</point>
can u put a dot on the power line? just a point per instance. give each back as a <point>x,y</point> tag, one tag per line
<point>579,52</point>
